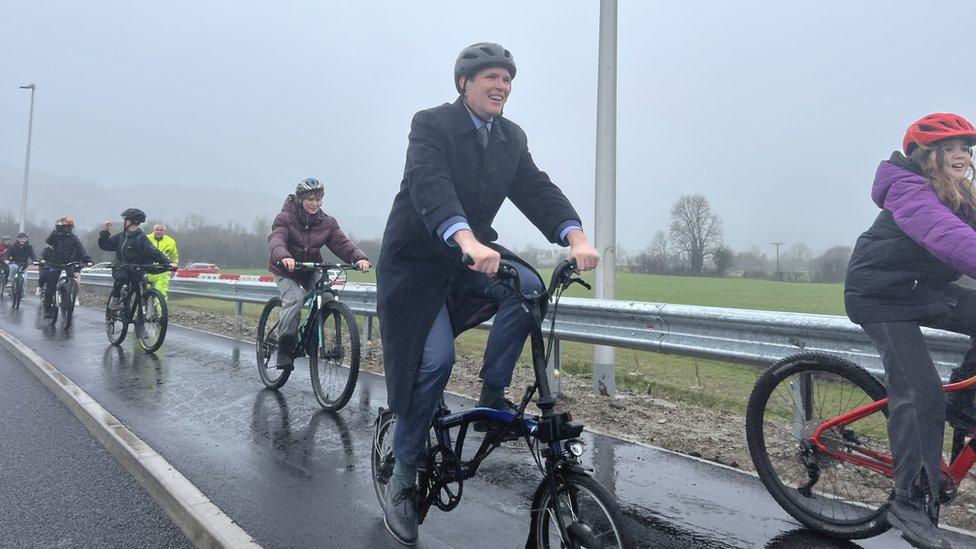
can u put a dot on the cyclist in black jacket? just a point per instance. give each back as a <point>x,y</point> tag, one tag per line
<point>131,247</point>
<point>65,248</point>
<point>19,254</point>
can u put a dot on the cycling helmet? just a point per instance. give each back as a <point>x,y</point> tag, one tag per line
<point>134,214</point>
<point>6,238</point>
<point>936,127</point>
<point>21,235</point>
<point>64,224</point>
<point>481,56</point>
<point>309,186</point>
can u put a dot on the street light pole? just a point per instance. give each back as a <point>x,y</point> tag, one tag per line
<point>30,125</point>
<point>777,244</point>
<point>604,379</point>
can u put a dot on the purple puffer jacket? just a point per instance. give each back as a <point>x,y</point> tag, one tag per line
<point>300,236</point>
<point>919,212</point>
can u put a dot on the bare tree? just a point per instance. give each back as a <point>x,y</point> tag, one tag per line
<point>798,256</point>
<point>695,230</point>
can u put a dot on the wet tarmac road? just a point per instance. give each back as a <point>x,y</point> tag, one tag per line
<point>295,476</point>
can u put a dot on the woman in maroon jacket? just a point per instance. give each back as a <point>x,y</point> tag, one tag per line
<point>297,235</point>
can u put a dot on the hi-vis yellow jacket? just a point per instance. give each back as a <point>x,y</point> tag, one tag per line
<point>166,245</point>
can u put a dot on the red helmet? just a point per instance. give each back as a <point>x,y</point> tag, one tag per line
<point>936,127</point>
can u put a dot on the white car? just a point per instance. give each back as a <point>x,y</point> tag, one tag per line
<point>103,267</point>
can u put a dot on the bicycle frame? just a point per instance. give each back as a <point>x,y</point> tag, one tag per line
<point>549,428</point>
<point>312,302</point>
<point>883,463</point>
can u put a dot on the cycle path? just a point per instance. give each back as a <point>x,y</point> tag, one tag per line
<point>293,475</point>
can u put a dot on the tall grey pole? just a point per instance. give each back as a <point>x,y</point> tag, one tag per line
<point>30,124</point>
<point>604,380</point>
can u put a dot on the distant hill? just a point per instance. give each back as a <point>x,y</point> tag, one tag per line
<point>91,203</point>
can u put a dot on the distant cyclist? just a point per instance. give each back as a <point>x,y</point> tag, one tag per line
<point>131,247</point>
<point>298,234</point>
<point>900,278</point>
<point>5,243</point>
<point>66,247</point>
<point>19,254</point>
<point>164,243</point>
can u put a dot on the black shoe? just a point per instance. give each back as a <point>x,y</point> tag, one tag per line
<point>916,527</point>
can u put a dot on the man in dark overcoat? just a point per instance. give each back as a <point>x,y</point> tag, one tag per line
<point>463,160</point>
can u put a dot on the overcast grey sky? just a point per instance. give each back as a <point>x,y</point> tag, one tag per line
<point>777,112</point>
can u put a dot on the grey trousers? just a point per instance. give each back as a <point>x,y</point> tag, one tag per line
<point>916,401</point>
<point>291,294</point>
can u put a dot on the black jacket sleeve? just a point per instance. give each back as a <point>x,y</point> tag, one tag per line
<point>427,174</point>
<point>108,242</point>
<point>539,199</point>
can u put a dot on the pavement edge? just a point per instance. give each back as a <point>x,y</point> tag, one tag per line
<point>190,510</point>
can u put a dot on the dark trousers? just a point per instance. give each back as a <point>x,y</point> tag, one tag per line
<point>916,401</point>
<point>505,341</point>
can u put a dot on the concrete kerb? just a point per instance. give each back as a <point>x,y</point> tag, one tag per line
<point>192,512</point>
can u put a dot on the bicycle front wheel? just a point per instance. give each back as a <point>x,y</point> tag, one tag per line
<point>267,345</point>
<point>789,402</point>
<point>17,292</point>
<point>590,516</point>
<point>154,317</point>
<point>334,365</point>
<point>67,304</point>
<point>116,322</point>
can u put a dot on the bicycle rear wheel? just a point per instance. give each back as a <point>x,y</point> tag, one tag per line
<point>154,317</point>
<point>592,518</point>
<point>334,365</point>
<point>117,321</point>
<point>789,402</point>
<point>267,345</point>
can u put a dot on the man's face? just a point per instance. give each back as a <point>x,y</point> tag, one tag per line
<point>159,231</point>
<point>22,240</point>
<point>487,92</point>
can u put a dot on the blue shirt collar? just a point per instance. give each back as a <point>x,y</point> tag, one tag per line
<point>478,122</point>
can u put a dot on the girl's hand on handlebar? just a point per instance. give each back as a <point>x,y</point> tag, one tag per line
<point>288,263</point>
<point>363,265</point>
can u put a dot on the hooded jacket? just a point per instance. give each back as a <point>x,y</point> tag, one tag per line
<point>902,266</point>
<point>131,247</point>
<point>299,235</point>
<point>65,248</point>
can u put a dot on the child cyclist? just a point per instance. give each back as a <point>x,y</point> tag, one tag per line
<point>297,235</point>
<point>19,254</point>
<point>131,247</point>
<point>900,278</point>
<point>66,247</point>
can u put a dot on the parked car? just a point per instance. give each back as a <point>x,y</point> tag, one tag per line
<point>194,269</point>
<point>102,267</point>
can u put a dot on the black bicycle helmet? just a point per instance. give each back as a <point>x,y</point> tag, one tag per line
<point>309,186</point>
<point>135,215</point>
<point>21,235</point>
<point>481,56</point>
<point>6,238</point>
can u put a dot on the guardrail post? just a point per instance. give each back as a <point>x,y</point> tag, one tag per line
<point>555,363</point>
<point>369,329</point>
<point>239,309</point>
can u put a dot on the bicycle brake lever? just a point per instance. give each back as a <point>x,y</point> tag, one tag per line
<point>581,282</point>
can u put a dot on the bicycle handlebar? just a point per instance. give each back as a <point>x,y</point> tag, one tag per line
<point>312,266</point>
<point>562,274</point>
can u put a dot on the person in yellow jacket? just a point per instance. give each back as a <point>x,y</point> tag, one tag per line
<point>164,243</point>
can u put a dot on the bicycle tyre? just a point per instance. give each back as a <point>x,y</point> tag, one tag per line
<point>153,305</point>
<point>850,386</point>
<point>266,347</point>
<point>336,357</point>
<point>55,307</point>
<point>117,321</point>
<point>68,308</point>
<point>18,292</point>
<point>592,516</point>
<point>381,458</point>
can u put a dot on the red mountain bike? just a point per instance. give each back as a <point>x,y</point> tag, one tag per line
<point>817,432</point>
